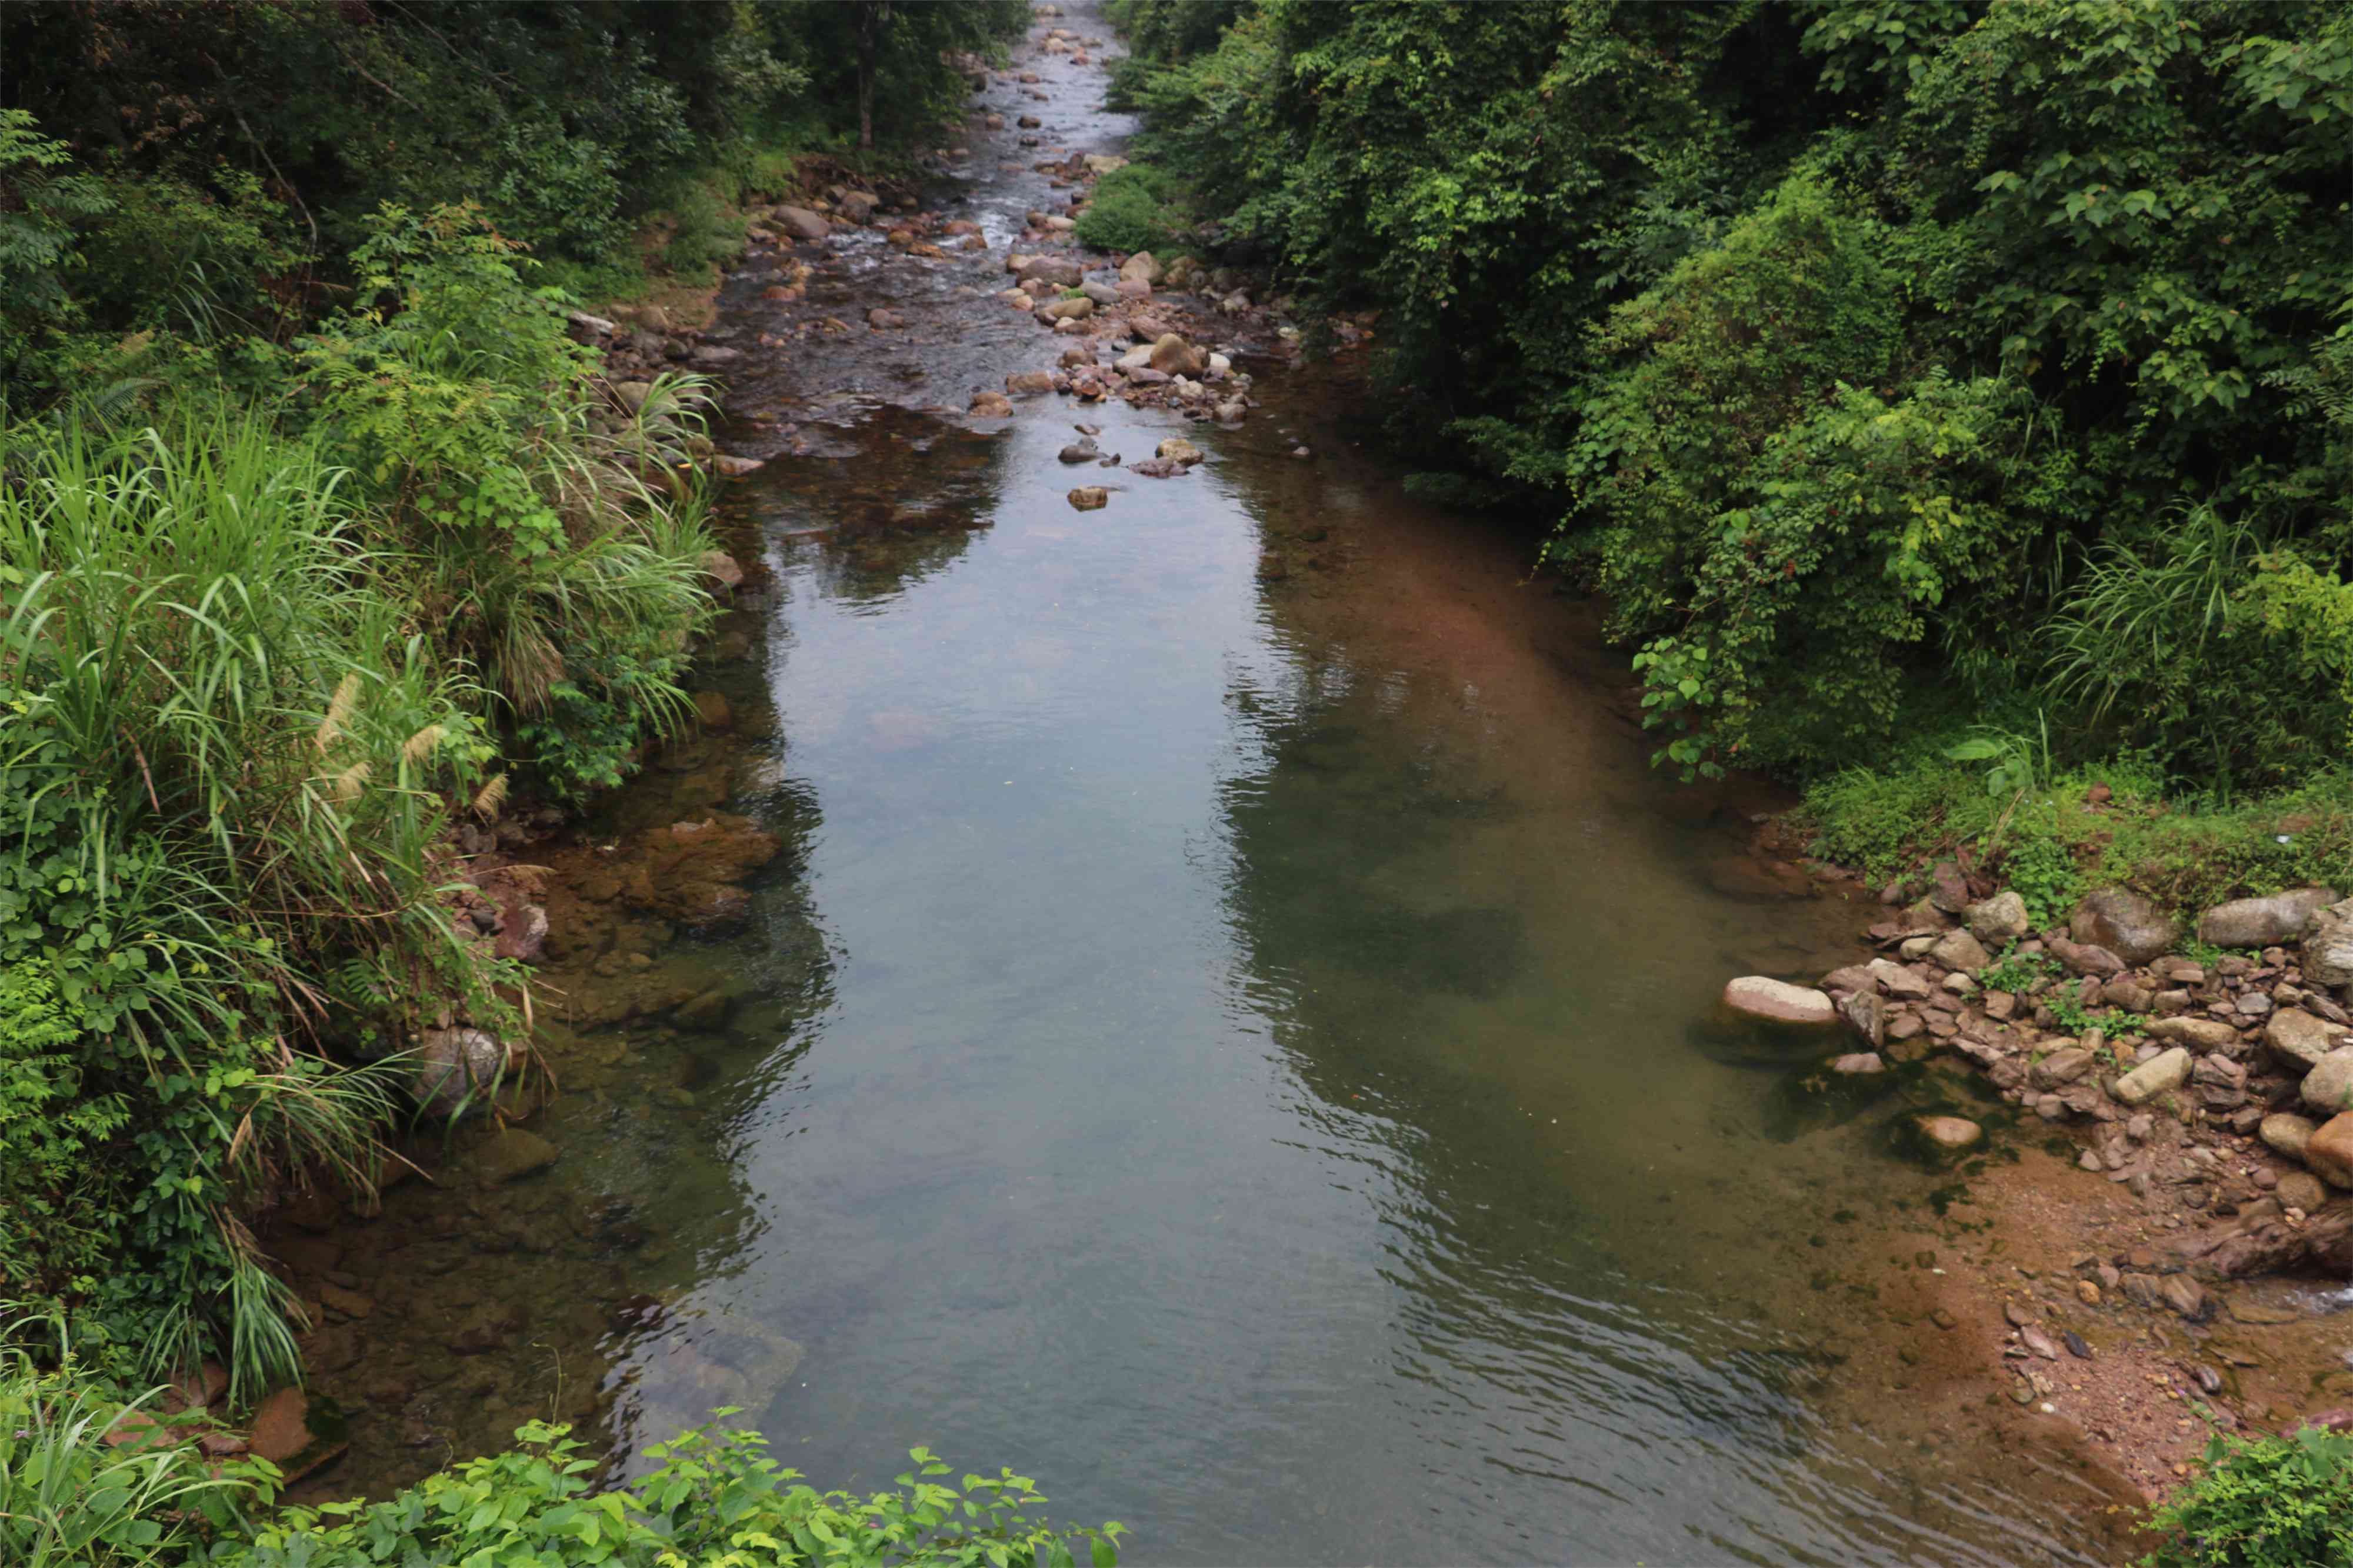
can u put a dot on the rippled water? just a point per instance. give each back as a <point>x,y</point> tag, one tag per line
<point>1232,1036</point>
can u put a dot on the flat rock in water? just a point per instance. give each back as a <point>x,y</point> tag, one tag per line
<point>512,1154</point>
<point>1090,498</point>
<point>1949,1134</point>
<point>1779,1002</point>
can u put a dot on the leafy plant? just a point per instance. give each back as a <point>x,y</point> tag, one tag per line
<point>717,1501</point>
<point>2271,1502</point>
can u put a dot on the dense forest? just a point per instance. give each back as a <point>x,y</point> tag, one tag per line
<point>1887,368</point>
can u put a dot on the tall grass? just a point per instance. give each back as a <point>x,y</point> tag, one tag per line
<point>233,756</point>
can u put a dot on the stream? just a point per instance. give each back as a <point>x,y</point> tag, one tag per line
<point>1232,1031</point>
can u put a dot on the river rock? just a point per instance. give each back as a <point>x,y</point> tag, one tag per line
<point>2086,957</point>
<point>2166,1071</point>
<point>1029,383</point>
<point>2263,922</point>
<point>2285,1132</point>
<point>692,872</point>
<point>456,1069</point>
<point>2128,925</point>
<point>1177,449</point>
<point>801,223</point>
<point>1779,1002</point>
<point>2329,1151</point>
<point>2328,1087</point>
<point>858,205</point>
<point>1858,1063</point>
<point>2300,1040</point>
<point>1103,294</point>
<point>2328,946</point>
<point>1947,1134</point>
<point>1050,272</point>
<point>2198,1034</point>
<point>2187,1297</point>
<point>2301,1190</point>
<point>282,1427</point>
<point>1090,498</point>
<point>1960,950</point>
<point>1866,1014</point>
<point>1078,308</point>
<point>523,934</point>
<point>1143,268</point>
<point>2062,1066</point>
<point>1900,982</point>
<point>1172,355</point>
<point>1999,921</point>
<point>513,1154</point>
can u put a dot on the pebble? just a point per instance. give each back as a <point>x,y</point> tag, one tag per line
<point>2075,1345</point>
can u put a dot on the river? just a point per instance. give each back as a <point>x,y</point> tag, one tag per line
<point>1232,1036</point>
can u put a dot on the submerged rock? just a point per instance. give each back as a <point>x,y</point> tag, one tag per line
<point>456,1069</point>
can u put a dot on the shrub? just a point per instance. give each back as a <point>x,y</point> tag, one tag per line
<point>550,533</point>
<point>1139,207</point>
<point>716,1501</point>
<point>2274,1502</point>
<point>222,761</point>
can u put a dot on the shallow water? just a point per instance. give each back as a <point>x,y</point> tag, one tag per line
<point>1232,1035</point>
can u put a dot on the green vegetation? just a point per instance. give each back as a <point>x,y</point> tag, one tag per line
<point>318,533</point>
<point>2271,1502</point>
<point>1140,207</point>
<point>90,1481</point>
<point>1892,372</point>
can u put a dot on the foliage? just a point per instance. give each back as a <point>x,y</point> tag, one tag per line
<point>717,1501</point>
<point>1139,207</point>
<point>1863,351</point>
<point>38,205</point>
<point>88,1481</point>
<point>223,761</point>
<point>532,508</point>
<point>2269,1502</point>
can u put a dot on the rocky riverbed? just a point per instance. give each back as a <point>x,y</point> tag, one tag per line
<point>2185,1266</point>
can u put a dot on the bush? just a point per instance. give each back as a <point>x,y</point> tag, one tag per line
<point>550,533</point>
<point>1138,208</point>
<point>2274,1502</point>
<point>222,758</point>
<point>716,1501</point>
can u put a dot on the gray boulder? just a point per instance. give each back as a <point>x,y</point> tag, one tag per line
<point>801,223</point>
<point>1779,1002</point>
<point>2328,1087</point>
<point>1999,921</point>
<point>2263,922</point>
<point>2128,925</point>
<point>2299,1040</point>
<point>2285,1132</point>
<point>1960,950</point>
<point>2328,946</point>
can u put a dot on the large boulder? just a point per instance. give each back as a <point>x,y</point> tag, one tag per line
<point>1779,1002</point>
<point>2299,1040</point>
<point>1052,271</point>
<point>1174,356</point>
<point>801,223</point>
<point>2166,1071</point>
<point>1960,950</point>
<point>2263,922</point>
<point>2329,1152</point>
<point>1143,266</point>
<point>2128,925</point>
<point>2000,919</point>
<point>457,1068</point>
<point>2328,1087</point>
<point>2328,946</point>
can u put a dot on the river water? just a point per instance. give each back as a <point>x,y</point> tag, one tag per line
<point>1232,1035</point>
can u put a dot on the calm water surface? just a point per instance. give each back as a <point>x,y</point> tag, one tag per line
<point>1234,1036</point>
